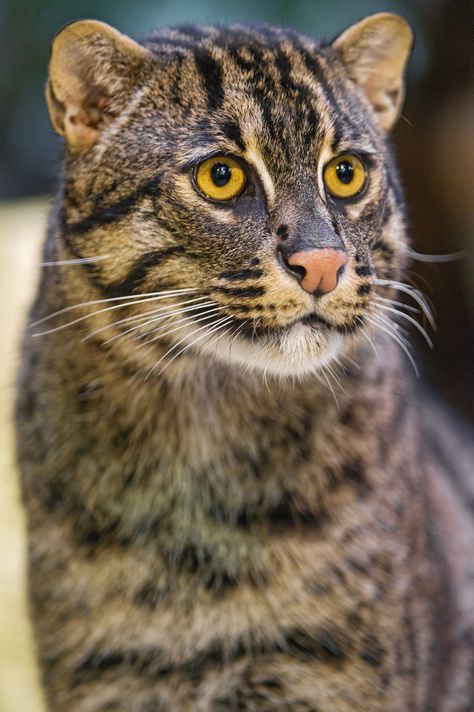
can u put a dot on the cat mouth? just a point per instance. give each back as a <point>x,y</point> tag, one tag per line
<point>296,348</point>
<point>313,321</point>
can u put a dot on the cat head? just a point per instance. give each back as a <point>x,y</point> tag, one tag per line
<point>244,169</point>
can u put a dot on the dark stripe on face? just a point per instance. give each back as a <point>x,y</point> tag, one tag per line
<point>372,652</point>
<point>211,74</point>
<point>105,215</point>
<point>241,292</point>
<point>323,644</point>
<point>241,274</point>
<point>364,271</point>
<point>284,515</point>
<point>138,272</point>
<point>231,130</point>
<point>259,80</point>
<point>319,645</point>
<point>383,247</point>
<point>350,327</point>
<point>313,65</point>
<point>300,94</point>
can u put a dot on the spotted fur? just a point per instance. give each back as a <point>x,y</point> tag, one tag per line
<point>216,524</point>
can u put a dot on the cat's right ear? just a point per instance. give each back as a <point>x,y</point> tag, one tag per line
<point>93,72</point>
<point>375,52</point>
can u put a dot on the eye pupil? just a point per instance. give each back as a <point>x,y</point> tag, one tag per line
<point>220,174</point>
<point>345,172</point>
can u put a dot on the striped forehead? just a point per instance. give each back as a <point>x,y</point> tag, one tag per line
<point>269,95</point>
<point>273,84</point>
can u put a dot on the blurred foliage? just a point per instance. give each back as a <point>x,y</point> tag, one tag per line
<point>28,149</point>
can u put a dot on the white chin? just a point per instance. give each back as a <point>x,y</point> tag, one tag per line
<point>298,351</point>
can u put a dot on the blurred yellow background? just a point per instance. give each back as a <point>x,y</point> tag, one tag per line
<point>21,229</point>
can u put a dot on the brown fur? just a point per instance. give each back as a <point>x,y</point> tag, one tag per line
<point>227,527</point>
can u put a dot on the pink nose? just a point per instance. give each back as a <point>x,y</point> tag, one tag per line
<point>319,268</point>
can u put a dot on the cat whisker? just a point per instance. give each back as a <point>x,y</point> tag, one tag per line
<point>75,261</point>
<point>216,326</point>
<point>413,293</point>
<point>332,370</point>
<point>235,336</point>
<point>143,336</point>
<point>411,320</point>
<point>161,335</point>
<point>448,257</point>
<point>329,384</point>
<point>394,303</point>
<point>85,317</point>
<point>169,311</point>
<point>137,297</point>
<point>367,337</point>
<point>397,339</point>
<point>215,339</point>
<point>415,284</point>
<point>391,324</point>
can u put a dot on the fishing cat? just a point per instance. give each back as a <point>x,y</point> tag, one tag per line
<point>233,500</point>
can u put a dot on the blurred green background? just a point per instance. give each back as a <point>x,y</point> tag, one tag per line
<point>434,140</point>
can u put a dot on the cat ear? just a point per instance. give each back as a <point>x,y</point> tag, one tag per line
<point>375,52</point>
<point>93,71</point>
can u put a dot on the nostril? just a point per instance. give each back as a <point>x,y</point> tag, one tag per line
<point>298,270</point>
<point>317,270</point>
<point>340,272</point>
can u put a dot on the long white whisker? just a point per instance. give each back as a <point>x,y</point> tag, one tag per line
<point>414,293</point>
<point>235,336</point>
<point>84,317</point>
<point>399,341</point>
<point>411,278</point>
<point>219,324</point>
<point>152,312</point>
<point>75,261</point>
<point>391,324</point>
<point>138,297</point>
<point>165,317</point>
<point>186,348</point>
<point>323,371</point>
<point>411,320</point>
<point>393,302</point>
<point>367,337</point>
<point>449,257</point>
<point>161,335</point>
<point>335,376</point>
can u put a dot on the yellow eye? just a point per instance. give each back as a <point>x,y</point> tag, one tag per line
<point>220,178</point>
<point>344,176</point>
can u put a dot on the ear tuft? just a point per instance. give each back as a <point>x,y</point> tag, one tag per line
<point>93,70</point>
<point>375,52</point>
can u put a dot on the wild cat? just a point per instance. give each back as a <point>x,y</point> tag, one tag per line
<point>234,500</point>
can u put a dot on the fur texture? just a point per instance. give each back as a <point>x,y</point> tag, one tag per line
<point>217,523</point>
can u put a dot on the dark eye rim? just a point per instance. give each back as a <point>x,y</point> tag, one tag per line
<point>219,154</point>
<point>360,193</point>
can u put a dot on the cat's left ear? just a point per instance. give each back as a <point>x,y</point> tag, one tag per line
<point>93,72</point>
<point>375,52</point>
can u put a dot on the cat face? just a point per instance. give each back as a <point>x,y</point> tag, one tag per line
<point>245,166</point>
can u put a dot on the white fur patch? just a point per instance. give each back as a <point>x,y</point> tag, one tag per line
<point>297,352</point>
